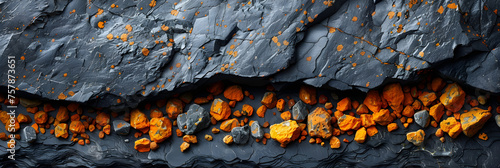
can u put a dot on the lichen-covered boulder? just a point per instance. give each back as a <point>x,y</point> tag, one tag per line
<point>318,123</point>
<point>416,137</point>
<point>474,120</point>
<point>194,120</point>
<point>285,132</point>
<point>220,109</point>
<point>453,98</point>
<point>160,129</point>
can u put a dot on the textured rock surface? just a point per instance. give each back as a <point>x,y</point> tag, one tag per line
<point>194,120</point>
<point>422,118</point>
<point>29,134</point>
<point>121,127</point>
<point>240,134</point>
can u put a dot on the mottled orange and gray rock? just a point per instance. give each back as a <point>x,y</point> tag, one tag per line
<point>427,98</point>
<point>394,95</point>
<point>285,132</point>
<point>77,127</point>
<point>228,125</point>
<point>234,92</point>
<point>417,137</point>
<point>318,123</point>
<point>474,120</point>
<point>451,126</point>
<point>160,129</point>
<point>174,108</point>
<point>220,109</point>
<point>453,98</point>
<point>102,119</point>
<point>269,100</point>
<point>383,117</point>
<point>138,120</point>
<point>61,130</point>
<point>308,94</point>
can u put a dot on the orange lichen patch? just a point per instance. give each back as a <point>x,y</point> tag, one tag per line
<point>21,118</point>
<point>354,19</point>
<point>421,54</point>
<point>348,122</point>
<point>318,123</point>
<point>261,111</point>
<point>220,110</point>
<point>128,28</point>
<point>391,14</point>
<point>40,117</point>
<point>285,132</point>
<point>228,125</point>
<point>340,47</point>
<point>383,117</point>
<point>234,93</point>
<point>334,143</point>
<point>124,37</point>
<point>102,119</point>
<point>427,98</point>
<point>77,127</point>
<point>61,96</point>
<point>152,3</point>
<point>367,120</point>
<point>269,100</point>
<point>440,10</point>
<point>453,98</point>
<point>308,58</point>
<point>286,115</point>
<point>156,113</point>
<point>247,110</point>
<point>392,126</point>
<point>62,114</point>
<point>142,145</point>
<point>373,101</point>
<point>408,111</point>
<point>100,25</point>
<point>109,36</point>
<point>344,104</point>
<point>437,112</point>
<point>61,130</point>
<point>474,120</point>
<point>160,129</point>
<point>174,107</point>
<point>417,137</point>
<point>451,126</point>
<point>138,120</point>
<point>360,136</point>
<point>174,12</point>
<point>308,94</point>
<point>145,51</point>
<point>280,105</point>
<point>394,95</point>
<point>483,136</point>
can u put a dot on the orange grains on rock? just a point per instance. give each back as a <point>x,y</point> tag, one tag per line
<point>220,110</point>
<point>145,51</point>
<point>234,93</point>
<point>344,104</point>
<point>308,94</point>
<point>261,111</point>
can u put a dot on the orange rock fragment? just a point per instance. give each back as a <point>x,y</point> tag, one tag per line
<point>383,117</point>
<point>138,120</point>
<point>451,126</point>
<point>77,127</point>
<point>21,118</point>
<point>61,130</point>
<point>286,115</point>
<point>192,139</point>
<point>269,100</point>
<point>344,104</point>
<point>367,120</point>
<point>483,136</point>
<point>155,113</point>
<point>285,132</point>
<point>417,137</point>
<point>308,94</point>
<point>427,98</point>
<point>247,110</point>
<point>318,123</point>
<point>408,111</point>
<point>234,92</point>
<point>437,112</point>
<point>360,136</point>
<point>102,119</point>
<point>474,120</point>
<point>40,117</point>
<point>371,131</point>
<point>453,98</point>
<point>394,95</point>
<point>228,125</point>
<point>142,145</point>
<point>348,122</point>
<point>280,105</point>
<point>160,129</point>
<point>174,107</point>
<point>261,111</point>
<point>437,84</point>
<point>392,126</point>
<point>322,99</point>
<point>220,110</point>
<point>334,143</point>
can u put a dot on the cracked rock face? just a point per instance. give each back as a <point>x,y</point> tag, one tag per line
<point>118,53</point>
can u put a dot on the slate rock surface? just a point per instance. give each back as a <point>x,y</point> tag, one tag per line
<point>194,120</point>
<point>101,51</point>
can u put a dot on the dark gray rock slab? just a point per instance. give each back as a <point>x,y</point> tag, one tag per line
<point>240,134</point>
<point>194,120</point>
<point>121,127</point>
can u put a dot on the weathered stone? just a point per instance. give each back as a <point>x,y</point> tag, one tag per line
<point>174,108</point>
<point>373,101</point>
<point>367,120</point>
<point>41,117</point>
<point>344,104</point>
<point>240,134</point>
<point>29,102</point>
<point>408,111</point>
<point>247,110</point>
<point>269,100</point>
<point>61,130</point>
<point>308,94</point>
<point>21,118</point>
<point>77,127</point>
<point>318,123</point>
<point>348,122</point>
<point>394,95</point>
<point>121,127</point>
<point>286,115</point>
<point>422,118</point>
<point>192,139</point>
<point>228,125</point>
<point>427,98</point>
<point>220,109</point>
<point>234,92</point>
<point>360,136</point>
<point>285,132</point>
<point>334,142</point>
<point>184,146</point>
<point>416,137</point>
<point>138,120</point>
<point>29,134</point>
<point>299,111</point>
<point>256,130</point>
<point>474,120</point>
<point>228,139</point>
<point>453,98</point>
<point>62,114</point>
<point>261,111</point>
<point>383,117</point>
<point>155,113</point>
<point>160,129</point>
<point>392,126</point>
<point>451,126</point>
<point>142,145</point>
<point>280,105</point>
<point>102,119</point>
<point>194,120</point>
<point>437,111</point>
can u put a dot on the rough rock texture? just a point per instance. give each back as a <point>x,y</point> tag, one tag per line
<point>422,118</point>
<point>256,130</point>
<point>190,123</point>
<point>29,134</point>
<point>240,134</point>
<point>299,111</point>
<point>121,127</point>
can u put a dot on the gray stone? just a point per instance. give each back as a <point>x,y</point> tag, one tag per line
<point>422,118</point>
<point>29,134</point>
<point>497,120</point>
<point>299,111</point>
<point>194,120</point>
<point>240,134</point>
<point>29,103</point>
<point>256,130</point>
<point>124,128</point>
